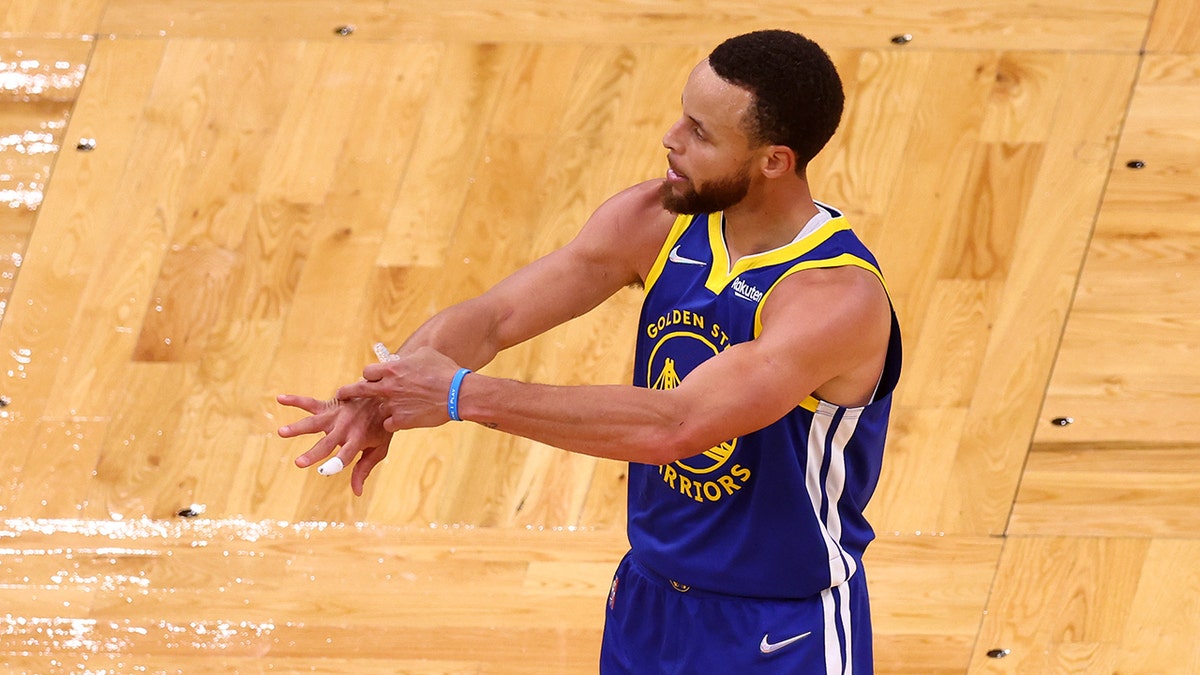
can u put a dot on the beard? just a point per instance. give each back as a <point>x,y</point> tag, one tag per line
<point>713,197</point>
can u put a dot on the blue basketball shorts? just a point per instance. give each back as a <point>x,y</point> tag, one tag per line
<point>654,626</point>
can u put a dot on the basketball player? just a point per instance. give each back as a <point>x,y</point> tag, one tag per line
<point>766,357</point>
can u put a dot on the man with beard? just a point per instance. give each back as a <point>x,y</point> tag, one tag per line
<point>767,354</point>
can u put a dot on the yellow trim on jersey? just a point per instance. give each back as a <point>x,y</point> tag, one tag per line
<point>810,404</point>
<point>722,273</point>
<point>677,229</point>
<point>843,260</point>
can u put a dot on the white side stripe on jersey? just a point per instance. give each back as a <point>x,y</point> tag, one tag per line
<point>815,455</point>
<point>825,496</point>
<point>835,485</point>
<point>844,592</point>
<point>833,647</point>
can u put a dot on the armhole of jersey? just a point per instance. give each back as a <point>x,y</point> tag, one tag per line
<point>811,403</point>
<point>677,229</point>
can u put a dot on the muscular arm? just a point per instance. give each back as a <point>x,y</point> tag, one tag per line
<point>824,331</point>
<point>614,249</point>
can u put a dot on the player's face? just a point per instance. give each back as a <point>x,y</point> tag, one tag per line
<point>710,156</point>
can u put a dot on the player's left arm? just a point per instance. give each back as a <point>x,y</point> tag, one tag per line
<point>824,332</point>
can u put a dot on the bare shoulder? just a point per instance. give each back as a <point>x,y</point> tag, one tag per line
<point>631,225</point>
<point>840,320</point>
<point>637,212</point>
<point>846,291</point>
<point>642,198</point>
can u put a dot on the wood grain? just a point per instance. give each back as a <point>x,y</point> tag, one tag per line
<point>267,198</point>
<point>1046,26</point>
<point>1175,27</point>
<point>51,18</point>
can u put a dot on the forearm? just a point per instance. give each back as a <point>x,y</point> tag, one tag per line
<point>620,422</point>
<point>614,250</point>
<point>612,421</point>
<point>465,332</point>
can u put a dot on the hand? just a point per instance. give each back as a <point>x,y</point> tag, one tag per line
<point>355,425</point>
<point>410,389</point>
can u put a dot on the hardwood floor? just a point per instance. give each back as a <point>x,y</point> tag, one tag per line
<point>204,203</point>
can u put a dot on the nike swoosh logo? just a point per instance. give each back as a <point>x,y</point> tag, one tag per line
<point>674,257</point>
<point>766,646</point>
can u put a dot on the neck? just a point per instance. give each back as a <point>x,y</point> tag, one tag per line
<point>768,218</point>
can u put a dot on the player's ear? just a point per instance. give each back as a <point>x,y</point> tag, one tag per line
<point>778,160</point>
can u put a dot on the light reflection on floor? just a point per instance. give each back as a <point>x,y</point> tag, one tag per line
<point>39,82</point>
<point>137,595</point>
<point>101,569</point>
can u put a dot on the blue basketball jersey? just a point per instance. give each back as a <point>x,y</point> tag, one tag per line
<point>777,513</point>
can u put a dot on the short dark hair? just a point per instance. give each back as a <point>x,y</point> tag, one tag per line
<point>798,96</point>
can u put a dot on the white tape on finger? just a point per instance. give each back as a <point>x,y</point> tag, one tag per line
<point>383,353</point>
<point>331,467</point>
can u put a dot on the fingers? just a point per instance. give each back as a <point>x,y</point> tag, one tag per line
<point>308,425</point>
<point>305,403</point>
<point>350,424</point>
<point>319,451</point>
<point>345,457</point>
<point>374,372</point>
<point>359,390</point>
<point>358,477</point>
<point>351,446</point>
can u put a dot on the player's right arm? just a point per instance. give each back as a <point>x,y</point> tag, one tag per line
<point>614,249</point>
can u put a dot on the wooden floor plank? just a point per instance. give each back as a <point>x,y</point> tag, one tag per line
<point>1126,378</point>
<point>1175,27</point>
<point>1091,490</point>
<point>1053,25</point>
<point>189,591</point>
<point>1168,588</point>
<point>41,82</point>
<point>515,600</point>
<point>452,130</point>
<point>1077,604</point>
<point>928,591</point>
<point>52,18</point>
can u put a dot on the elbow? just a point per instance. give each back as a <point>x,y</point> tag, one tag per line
<point>669,443</point>
<point>674,428</point>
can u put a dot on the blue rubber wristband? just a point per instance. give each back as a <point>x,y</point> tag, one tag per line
<point>452,397</point>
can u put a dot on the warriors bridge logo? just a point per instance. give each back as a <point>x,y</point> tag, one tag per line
<point>684,340</point>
